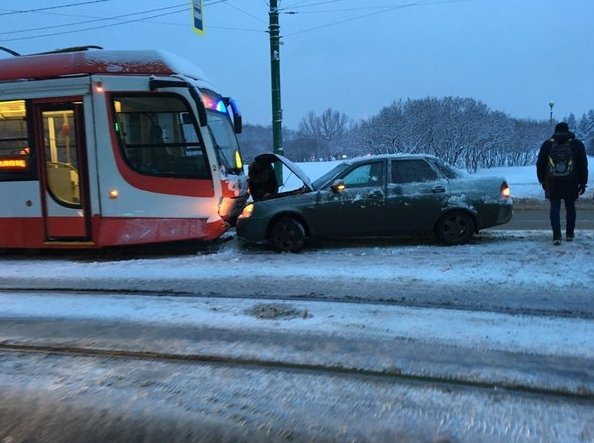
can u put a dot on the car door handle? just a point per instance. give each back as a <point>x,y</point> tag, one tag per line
<point>376,194</point>
<point>438,189</point>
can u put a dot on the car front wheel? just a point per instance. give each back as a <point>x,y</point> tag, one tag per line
<point>287,235</point>
<point>455,228</point>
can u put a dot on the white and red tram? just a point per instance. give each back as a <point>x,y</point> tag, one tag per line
<point>109,148</point>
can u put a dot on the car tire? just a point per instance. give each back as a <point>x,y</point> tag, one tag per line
<point>455,228</point>
<point>287,235</point>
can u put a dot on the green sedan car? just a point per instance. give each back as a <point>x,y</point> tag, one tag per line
<point>375,196</point>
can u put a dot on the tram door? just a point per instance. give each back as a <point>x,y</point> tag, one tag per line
<point>63,169</point>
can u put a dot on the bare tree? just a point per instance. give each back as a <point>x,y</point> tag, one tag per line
<point>461,131</point>
<point>308,126</point>
<point>326,131</point>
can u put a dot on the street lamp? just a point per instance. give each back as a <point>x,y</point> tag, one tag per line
<point>551,104</point>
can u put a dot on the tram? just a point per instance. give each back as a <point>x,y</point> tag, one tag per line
<point>103,148</point>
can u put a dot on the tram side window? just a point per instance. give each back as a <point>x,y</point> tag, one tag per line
<point>16,161</point>
<point>158,136</point>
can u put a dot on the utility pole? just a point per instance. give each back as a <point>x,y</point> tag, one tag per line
<point>277,112</point>
<point>551,104</point>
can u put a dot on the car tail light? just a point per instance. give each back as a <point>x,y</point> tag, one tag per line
<point>504,190</point>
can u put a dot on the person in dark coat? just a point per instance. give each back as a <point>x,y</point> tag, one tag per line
<point>262,181</point>
<point>567,188</point>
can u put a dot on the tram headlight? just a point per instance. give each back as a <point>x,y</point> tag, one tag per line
<point>238,160</point>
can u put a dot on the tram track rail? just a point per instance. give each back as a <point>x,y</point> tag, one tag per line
<point>392,375</point>
<point>82,398</point>
<point>224,341</point>
<point>399,300</point>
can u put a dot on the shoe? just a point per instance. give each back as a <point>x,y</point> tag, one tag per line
<point>556,242</point>
<point>569,237</point>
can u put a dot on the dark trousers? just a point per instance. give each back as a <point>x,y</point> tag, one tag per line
<point>555,215</point>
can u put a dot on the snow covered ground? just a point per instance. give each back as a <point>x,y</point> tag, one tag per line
<point>509,309</point>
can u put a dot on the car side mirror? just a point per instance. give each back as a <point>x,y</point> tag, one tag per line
<point>338,186</point>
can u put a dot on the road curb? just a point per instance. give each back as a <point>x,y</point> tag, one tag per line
<point>526,204</point>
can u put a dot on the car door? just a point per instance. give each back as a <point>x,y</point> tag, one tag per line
<point>415,196</point>
<point>359,207</point>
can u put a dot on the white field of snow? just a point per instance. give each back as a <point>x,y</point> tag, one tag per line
<point>522,179</point>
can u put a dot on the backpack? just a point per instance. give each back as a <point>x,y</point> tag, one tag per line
<point>561,165</point>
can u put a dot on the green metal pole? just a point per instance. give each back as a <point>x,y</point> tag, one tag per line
<point>277,112</point>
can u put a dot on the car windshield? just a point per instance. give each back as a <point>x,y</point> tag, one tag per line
<point>324,179</point>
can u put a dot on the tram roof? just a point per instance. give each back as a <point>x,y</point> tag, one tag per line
<point>106,62</point>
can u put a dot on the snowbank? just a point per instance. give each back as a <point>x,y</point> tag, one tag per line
<point>522,179</point>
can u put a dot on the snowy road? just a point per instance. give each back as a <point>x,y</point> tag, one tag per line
<point>56,399</point>
<point>373,341</point>
<point>538,217</point>
<point>501,271</point>
<point>540,353</point>
<point>210,369</point>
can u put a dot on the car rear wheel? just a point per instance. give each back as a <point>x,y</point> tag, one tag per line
<point>455,228</point>
<point>287,235</point>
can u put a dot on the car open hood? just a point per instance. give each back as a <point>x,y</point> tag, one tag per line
<point>270,157</point>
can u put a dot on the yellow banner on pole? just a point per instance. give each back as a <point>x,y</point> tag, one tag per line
<point>198,16</point>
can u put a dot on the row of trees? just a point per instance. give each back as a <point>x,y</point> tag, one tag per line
<point>462,131</point>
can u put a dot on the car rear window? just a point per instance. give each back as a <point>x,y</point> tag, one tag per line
<point>446,169</point>
<point>412,170</point>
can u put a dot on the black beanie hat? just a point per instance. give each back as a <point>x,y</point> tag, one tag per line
<point>561,127</point>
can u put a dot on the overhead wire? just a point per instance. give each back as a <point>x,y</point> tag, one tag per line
<point>334,11</point>
<point>183,6</point>
<point>245,12</point>
<point>209,3</point>
<point>48,8</point>
<point>301,5</point>
<point>383,11</point>
<point>93,27</point>
<point>94,20</point>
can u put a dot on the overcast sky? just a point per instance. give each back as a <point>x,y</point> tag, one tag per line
<point>353,56</point>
